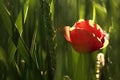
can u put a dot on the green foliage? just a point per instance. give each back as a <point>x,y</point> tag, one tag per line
<point>32,44</point>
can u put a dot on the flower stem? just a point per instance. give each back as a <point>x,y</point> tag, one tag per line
<point>94,13</point>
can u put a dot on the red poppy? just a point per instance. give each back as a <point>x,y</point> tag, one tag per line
<point>85,36</point>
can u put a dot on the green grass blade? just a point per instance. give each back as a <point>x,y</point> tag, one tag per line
<point>4,14</point>
<point>21,18</point>
<point>12,50</point>
<point>101,10</point>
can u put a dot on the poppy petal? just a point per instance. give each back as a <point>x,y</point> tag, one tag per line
<point>67,33</point>
<point>83,41</point>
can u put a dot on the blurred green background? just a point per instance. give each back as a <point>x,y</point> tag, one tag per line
<point>32,43</point>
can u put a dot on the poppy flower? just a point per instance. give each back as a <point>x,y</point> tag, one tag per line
<point>85,36</point>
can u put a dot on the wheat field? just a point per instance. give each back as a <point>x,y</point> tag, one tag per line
<point>33,47</point>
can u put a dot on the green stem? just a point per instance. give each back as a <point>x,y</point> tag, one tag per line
<point>94,13</point>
